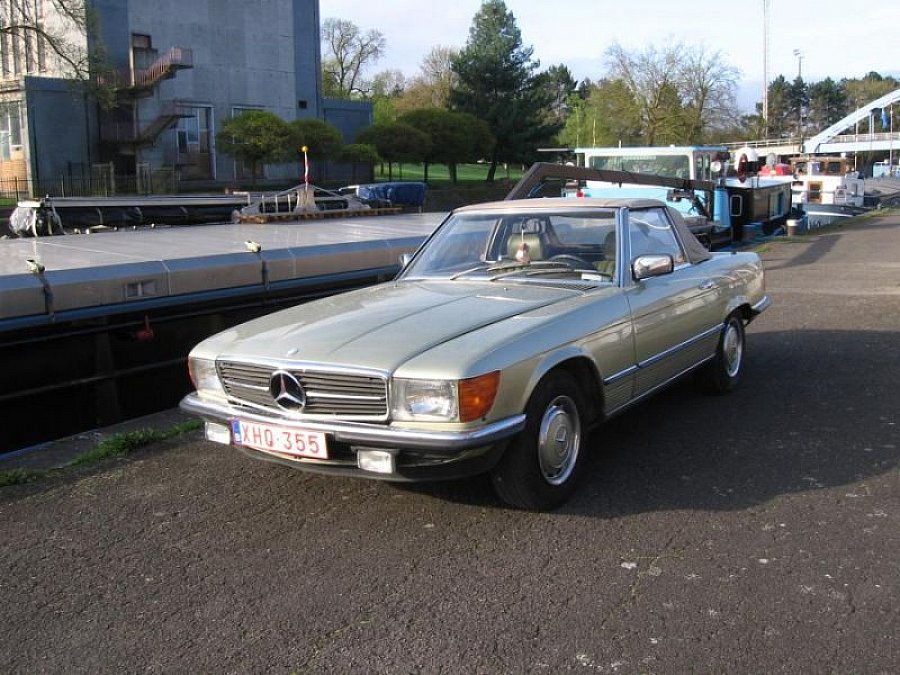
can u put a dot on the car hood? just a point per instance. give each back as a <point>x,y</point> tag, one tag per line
<point>380,327</point>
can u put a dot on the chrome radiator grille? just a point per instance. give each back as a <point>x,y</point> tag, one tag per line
<point>329,394</point>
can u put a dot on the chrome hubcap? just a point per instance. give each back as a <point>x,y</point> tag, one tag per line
<point>732,349</point>
<point>559,441</point>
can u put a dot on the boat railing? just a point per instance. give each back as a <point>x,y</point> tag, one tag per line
<point>298,199</point>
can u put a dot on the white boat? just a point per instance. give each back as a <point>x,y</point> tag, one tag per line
<point>826,189</point>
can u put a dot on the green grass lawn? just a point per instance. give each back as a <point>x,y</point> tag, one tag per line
<point>470,188</point>
<point>438,174</point>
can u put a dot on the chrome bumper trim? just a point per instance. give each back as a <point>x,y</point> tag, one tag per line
<point>375,435</point>
<point>761,306</point>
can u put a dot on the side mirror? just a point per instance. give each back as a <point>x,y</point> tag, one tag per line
<point>647,266</point>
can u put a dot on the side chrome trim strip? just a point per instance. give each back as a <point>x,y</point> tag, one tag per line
<point>687,343</point>
<point>612,379</point>
<point>661,385</point>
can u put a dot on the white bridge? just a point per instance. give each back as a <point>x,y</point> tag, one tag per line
<point>835,139</point>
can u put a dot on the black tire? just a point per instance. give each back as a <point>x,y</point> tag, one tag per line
<point>723,373</point>
<point>540,468</point>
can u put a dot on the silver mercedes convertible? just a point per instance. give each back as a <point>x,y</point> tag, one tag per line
<point>515,328</point>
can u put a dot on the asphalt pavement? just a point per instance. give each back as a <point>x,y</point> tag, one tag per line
<point>749,533</point>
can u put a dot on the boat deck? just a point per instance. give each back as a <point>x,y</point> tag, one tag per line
<point>45,280</point>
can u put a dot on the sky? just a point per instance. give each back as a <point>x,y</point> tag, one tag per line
<point>836,38</point>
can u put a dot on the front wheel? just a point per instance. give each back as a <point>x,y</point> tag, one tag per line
<point>539,469</point>
<point>723,373</point>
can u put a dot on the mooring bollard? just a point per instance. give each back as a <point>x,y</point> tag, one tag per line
<point>792,228</point>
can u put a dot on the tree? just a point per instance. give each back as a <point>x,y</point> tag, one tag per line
<point>652,77</point>
<point>431,87</point>
<point>781,120</point>
<point>707,85</point>
<point>608,115</point>
<point>347,52</point>
<point>560,86</point>
<point>827,104</point>
<point>321,138</point>
<point>396,142</point>
<point>437,76</point>
<point>864,90</point>
<point>356,154</point>
<point>256,137</point>
<point>59,38</point>
<point>63,38</point>
<point>455,137</point>
<point>682,91</point>
<point>497,85</point>
<point>799,103</point>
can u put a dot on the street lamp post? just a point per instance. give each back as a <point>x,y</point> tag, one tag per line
<point>799,56</point>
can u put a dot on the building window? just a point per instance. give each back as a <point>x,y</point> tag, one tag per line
<point>194,131</point>
<point>142,53</point>
<point>193,138</point>
<point>10,129</point>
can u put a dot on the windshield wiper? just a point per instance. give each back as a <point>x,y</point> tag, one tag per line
<point>533,268</point>
<point>469,270</point>
<point>529,269</point>
<point>500,266</point>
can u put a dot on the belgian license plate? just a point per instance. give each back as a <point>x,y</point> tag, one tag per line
<point>280,440</point>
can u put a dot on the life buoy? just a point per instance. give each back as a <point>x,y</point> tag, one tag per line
<point>742,168</point>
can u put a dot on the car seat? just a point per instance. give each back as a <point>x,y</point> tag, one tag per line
<point>607,266</point>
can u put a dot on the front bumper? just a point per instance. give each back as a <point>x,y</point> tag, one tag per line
<point>421,454</point>
<point>759,307</point>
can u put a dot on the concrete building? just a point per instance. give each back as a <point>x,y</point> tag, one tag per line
<point>176,70</point>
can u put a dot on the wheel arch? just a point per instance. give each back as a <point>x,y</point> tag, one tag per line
<point>741,307</point>
<point>585,372</point>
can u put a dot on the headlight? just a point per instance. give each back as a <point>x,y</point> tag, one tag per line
<point>204,375</point>
<point>444,400</point>
<point>432,400</point>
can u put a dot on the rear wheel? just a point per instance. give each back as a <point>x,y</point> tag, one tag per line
<point>539,469</point>
<point>723,373</point>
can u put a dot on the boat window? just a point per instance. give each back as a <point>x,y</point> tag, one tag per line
<point>676,166</point>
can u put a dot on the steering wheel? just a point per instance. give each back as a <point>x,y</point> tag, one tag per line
<point>573,261</point>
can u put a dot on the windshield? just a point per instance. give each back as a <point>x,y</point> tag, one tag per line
<point>525,243</point>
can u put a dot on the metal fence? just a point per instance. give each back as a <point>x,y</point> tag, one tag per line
<point>91,185</point>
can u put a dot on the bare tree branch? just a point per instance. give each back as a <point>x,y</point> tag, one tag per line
<point>61,29</point>
<point>347,52</point>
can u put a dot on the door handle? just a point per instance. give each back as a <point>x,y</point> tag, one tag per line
<point>707,285</point>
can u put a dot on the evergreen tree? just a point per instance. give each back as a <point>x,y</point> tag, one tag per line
<point>798,93</point>
<point>781,119</point>
<point>496,83</point>
<point>827,104</point>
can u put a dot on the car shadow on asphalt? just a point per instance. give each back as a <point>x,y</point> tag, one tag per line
<point>817,248</point>
<point>815,410</point>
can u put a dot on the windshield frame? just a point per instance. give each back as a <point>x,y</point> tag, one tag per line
<point>493,231</point>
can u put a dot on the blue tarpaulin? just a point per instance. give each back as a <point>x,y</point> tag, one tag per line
<point>404,194</point>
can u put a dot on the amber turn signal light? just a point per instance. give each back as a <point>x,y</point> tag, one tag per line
<point>476,395</point>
